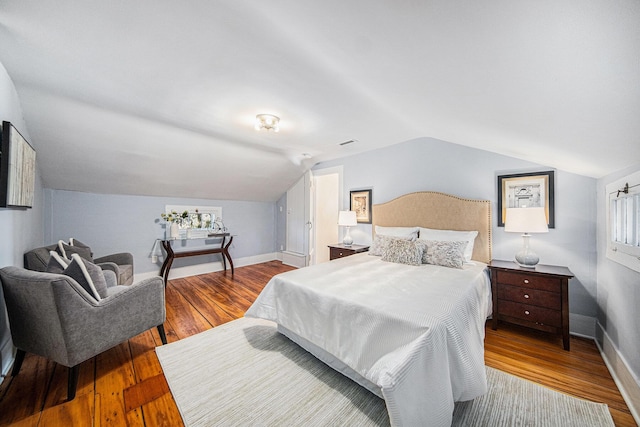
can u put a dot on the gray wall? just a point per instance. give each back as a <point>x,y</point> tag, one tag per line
<point>116,223</point>
<point>20,229</point>
<point>430,164</point>
<point>618,290</point>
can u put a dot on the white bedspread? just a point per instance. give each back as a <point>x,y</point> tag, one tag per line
<point>417,332</point>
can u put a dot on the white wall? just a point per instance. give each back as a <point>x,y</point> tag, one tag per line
<point>326,218</point>
<point>118,223</point>
<point>618,305</point>
<point>430,164</point>
<point>21,229</point>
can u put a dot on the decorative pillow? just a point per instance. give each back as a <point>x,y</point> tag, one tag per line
<point>446,254</point>
<point>405,232</point>
<point>67,250</point>
<point>404,251</point>
<point>88,275</point>
<point>378,245</point>
<point>380,242</point>
<point>56,264</point>
<point>79,244</point>
<point>451,236</point>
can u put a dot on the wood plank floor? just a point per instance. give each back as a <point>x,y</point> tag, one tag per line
<point>125,385</point>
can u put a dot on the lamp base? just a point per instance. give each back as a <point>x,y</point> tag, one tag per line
<point>526,257</point>
<point>347,241</point>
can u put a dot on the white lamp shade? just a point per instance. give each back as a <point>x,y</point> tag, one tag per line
<point>526,220</point>
<point>347,218</point>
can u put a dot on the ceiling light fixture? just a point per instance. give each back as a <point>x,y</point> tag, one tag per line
<point>268,122</point>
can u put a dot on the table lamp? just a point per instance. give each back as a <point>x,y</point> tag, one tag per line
<point>347,219</point>
<point>526,220</point>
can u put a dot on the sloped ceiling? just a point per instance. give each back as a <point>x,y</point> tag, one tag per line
<point>159,97</point>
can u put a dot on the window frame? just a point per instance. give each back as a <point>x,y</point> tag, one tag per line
<point>623,221</point>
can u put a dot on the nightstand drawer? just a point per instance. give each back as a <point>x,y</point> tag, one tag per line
<point>551,300</point>
<point>546,283</point>
<point>339,253</point>
<point>531,313</point>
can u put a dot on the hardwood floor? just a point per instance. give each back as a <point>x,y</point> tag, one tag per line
<point>125,385</point>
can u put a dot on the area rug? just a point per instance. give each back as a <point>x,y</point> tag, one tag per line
<point>244,373</point>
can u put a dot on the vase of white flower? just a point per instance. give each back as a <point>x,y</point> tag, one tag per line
<point>174,231</point>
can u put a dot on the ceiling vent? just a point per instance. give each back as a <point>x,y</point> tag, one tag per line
<point>351,141</point>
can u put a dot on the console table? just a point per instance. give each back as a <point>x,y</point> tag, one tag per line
<point>222,249</point>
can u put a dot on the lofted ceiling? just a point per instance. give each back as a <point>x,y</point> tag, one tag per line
<point>158,97</point>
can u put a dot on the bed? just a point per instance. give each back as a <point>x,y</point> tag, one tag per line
<point>412,334</point>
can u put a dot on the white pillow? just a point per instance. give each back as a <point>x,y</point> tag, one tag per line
<point>408,233</point>
<point>451,236</point>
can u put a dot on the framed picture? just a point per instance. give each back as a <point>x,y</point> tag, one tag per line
<point>17,169</point>
<point>361,204</point>
<point>534,189</point>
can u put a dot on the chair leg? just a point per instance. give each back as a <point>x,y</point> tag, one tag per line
<point>17,364</point>
<point>73,382</point>
<point>163,336</point>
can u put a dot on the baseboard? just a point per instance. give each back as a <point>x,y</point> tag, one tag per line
<point>207,267</point>
<point>583,326</point>
<point>628,385</point>
<point>294,259</point>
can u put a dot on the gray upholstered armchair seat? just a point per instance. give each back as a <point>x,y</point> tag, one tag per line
<point>53,316</point>
<point>121,263</point>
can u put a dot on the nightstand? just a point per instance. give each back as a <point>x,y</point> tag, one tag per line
<point>537,297</point>
<point>340,251</point>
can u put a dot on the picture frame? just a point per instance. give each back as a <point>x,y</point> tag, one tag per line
<point>360,202</point>
<point>17,169</point>
<point>531,189</point>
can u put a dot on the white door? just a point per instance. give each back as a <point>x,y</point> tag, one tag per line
<point>299,230</point>
<point>296,218</point>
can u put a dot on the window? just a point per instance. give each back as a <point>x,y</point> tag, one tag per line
<point>623,219</point>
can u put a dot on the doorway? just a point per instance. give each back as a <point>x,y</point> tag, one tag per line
<point>328,202</point>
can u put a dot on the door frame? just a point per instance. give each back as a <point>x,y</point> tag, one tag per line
<point>320,172</point>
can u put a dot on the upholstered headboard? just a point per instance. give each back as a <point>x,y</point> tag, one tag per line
<point>440,211</point>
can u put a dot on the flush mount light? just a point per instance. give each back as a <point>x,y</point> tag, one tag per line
<point>268,122</point>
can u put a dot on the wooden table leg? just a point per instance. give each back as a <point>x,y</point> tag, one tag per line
<point>166,265</point>
<point>224,262</point>
<point>225,252</point>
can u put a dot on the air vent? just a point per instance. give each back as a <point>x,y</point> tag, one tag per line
<point>348,142</point>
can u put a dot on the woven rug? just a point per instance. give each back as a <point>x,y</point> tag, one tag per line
<point>244,373</point>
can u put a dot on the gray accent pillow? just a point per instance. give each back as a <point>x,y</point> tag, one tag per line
<point>68,250</point>
<point>446,254</point>
<point>56,264</point>
<point>404,251</point>
<point>88,275</point>
<point>77,243</point>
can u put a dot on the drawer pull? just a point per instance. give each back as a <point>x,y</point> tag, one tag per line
<point>340,253</point>
<point>526,296</point>
<point>527,312</point>
<point>526,281</point>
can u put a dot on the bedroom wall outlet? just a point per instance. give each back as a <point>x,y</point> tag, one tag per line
<point>154,259</point>
<point>281,247</point>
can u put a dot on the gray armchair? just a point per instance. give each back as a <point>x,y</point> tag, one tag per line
<point>51,315</point>
<point>121,263</point>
